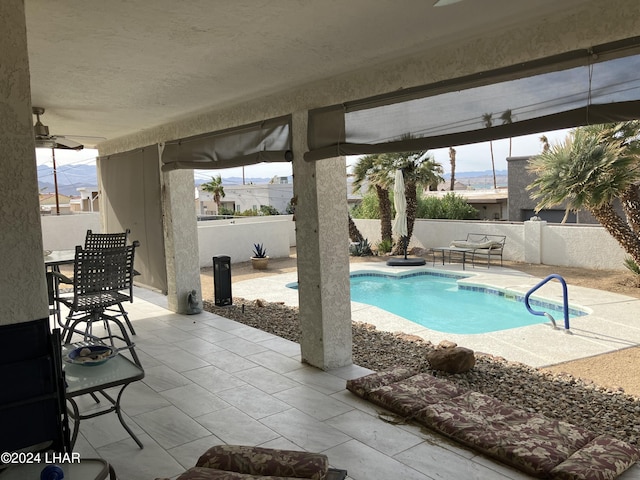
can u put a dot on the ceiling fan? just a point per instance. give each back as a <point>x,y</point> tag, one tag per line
<point>45,140</point>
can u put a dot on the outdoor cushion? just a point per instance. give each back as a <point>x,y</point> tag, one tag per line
<point>528,441</point>
<point>265,461</point>
<point>363,385</point>
<point>468,244</point>
<point>604,458</point>
<point>540,446</point>
<point>201,473</point>
<point>413,394</point>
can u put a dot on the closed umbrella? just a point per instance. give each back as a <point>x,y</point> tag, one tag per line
<point>400,203</point>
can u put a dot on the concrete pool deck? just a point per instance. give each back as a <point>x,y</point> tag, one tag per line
<point>611,324</point>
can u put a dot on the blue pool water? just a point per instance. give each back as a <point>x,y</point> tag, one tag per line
<point>438,303</point>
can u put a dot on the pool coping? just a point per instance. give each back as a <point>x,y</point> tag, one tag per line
<point>611,323</point>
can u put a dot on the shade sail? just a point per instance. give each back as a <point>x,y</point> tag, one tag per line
<point>265,141</point>
<point>584,87</point>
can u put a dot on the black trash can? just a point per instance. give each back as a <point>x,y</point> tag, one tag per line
<point>222,280</point>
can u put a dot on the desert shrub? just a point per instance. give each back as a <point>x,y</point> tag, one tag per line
<point>451,206</point>
<point>361,249</point>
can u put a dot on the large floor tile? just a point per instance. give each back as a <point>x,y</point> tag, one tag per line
<point>189,453</point>
<point>266,380</point>
<point>439,463</point>
<point>312,402</point>
<point>194,400</point>
<point>164,378</point>
<point>180,360</point>
<point>132,463</point>
<point>252,401</point>
<point>373,432</point>
<point>276,361</point>
<point>214,379</point>
<point>363,462</point>
<point>228,361</point>
<point>171,427</point>
<point>235,427</point>
<point>304,430</point>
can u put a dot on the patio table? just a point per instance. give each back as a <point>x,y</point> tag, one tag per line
<point>118,371</point>
<point>52,263</point>
<point>458,251</point>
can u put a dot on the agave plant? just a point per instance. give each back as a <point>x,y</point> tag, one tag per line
<point>259,251</point>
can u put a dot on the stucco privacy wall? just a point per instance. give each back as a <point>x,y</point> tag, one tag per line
<point>64,232</point>
<point>235,238</point>
<point>22,261</point>
<point>584,246</point>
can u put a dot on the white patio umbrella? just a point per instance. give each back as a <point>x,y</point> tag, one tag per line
<point>400,203</point>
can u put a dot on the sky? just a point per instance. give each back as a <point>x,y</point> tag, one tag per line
<point>469,158</point>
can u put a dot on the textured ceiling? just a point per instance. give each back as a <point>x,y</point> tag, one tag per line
<point>112,68</point>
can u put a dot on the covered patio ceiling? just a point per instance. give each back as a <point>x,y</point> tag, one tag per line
<point>111,69</point>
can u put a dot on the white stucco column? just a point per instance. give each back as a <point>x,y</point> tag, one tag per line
<point>23,290</point>
<point>322,241</point>
<point>533,240</point>
<point>180,238</point>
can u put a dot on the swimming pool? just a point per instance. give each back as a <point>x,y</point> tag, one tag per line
<point>437,302</point>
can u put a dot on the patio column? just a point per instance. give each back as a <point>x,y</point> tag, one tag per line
<point>180,237</point>
<point>322,241</point>
<point>23,290</point>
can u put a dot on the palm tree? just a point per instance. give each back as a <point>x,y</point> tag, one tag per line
<point>369,168</point>
<point>507,119</point>
<point>215,187</point>
<point>488,122</point>
<point>354,233</point>
<point>452,159</point>
<point>545,143</point>
<point>419,170</point>
<point>592,168</point>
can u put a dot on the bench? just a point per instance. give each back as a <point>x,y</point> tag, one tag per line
<point>482,246</point>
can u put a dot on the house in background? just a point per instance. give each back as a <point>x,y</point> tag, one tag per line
<point>490,203</point>
<point>88,201</point>
<point>48,204</point>
<point>239,198</point>
<point>522,206</point>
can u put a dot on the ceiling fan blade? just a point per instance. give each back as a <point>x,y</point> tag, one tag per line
<point>65,143</point>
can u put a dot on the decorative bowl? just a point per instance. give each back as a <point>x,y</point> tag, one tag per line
<point>47,253</point>
<point>90,356</point>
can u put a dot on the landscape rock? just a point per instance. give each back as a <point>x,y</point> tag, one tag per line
<point>452,359</point>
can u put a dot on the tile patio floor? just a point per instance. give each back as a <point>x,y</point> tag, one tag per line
<point>210,380</point>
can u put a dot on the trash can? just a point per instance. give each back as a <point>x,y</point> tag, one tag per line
<point>222,280</point>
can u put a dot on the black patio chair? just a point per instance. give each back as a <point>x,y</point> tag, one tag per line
<point>102,279</point>
<point>33,411</point>
<point>98,241</point>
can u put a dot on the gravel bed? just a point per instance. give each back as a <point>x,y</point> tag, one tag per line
<point>561,396</point>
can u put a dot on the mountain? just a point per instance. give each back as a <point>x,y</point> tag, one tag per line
<point>70,178</point>
<point>483,173</point>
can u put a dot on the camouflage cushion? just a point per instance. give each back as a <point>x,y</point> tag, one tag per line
<point>413,394</point>
<point>531,442</point>
<point>363,385</point>
<point>200,473</point>
<point>604,458</point>
<point>265,461</point>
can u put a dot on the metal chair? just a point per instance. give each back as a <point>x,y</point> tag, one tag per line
<point>98,241</point>
<point>33,410</point>
<point>102,279</point>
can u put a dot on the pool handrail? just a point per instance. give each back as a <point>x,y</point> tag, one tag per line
<point>565,301</point>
